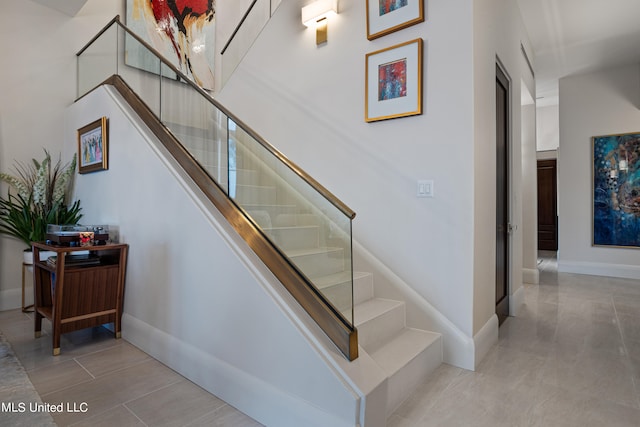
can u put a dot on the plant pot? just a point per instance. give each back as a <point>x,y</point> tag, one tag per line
<point>28,256</point>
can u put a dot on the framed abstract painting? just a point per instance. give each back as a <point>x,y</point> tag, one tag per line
<point>387,16</point>
<point>393,82</point>
<point>182,31</point>
<point>616,190</point>
<point>93,147</point>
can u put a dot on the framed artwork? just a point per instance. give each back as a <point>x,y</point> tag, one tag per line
<point>183,31</point>
<point>387,16</point>
<point>393,82</point>
<point>616,190</point>
<point>93,147</point>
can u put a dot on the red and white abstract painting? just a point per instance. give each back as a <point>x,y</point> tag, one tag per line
<point>183,31</point>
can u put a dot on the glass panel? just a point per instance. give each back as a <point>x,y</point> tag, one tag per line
<point>244,38</point>
<point>140,68</point>
<point>199,126</point>
<point>308,229</point>
<point>98,61</point>
<point>305,226</point>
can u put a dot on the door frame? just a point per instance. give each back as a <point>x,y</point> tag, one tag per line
<point>509,183</point>
<point>551,163</point>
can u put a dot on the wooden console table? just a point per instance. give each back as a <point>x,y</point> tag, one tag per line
<point>79,289</point>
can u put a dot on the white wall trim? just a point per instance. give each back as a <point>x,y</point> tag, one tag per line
<point>516,301</point>
<point>531,276</point>
<point>486,338</point>
<point>256,397</point>
<point>600,269</point>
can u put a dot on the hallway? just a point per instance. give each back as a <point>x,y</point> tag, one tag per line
<point>570,358</point>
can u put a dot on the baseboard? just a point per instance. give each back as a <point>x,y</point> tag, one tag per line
<point>624,271</point>
<point>531,276</point>
<point>516,300</point>
<point>249,394</point>
<point>486,338</point>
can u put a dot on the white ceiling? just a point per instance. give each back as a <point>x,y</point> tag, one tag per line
<point>576,36</point>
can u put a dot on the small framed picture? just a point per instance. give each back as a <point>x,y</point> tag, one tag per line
<point>387,16</point>
<point>93,147</point>
<point>393,82</point>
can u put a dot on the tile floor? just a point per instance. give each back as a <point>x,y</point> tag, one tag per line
<point>121,385</point>
<point>571,358</point>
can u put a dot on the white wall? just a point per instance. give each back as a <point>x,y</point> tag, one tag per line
<point>309,102</point>
<point>442,246</point>
<point>198,299</point>
<point>38,82</point>
<point>498,34</point>
<point>548,127</point>
<point>529,192</point>
<point>599,103</point>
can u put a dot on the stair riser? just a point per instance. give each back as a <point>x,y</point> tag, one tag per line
<point>294,238</point>
<point>362,288</point>
<point>404,382</point>
<point>377,331</point>
<point>247,194</point>
<point>242,177</point>
<point>340,297</point>
<point>274,211</point>
<point>322,264</point>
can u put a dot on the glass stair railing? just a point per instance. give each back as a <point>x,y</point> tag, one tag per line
<point>298,228</point>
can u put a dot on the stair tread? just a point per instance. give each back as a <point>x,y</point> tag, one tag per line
<point>396,353</point>
<point>291,227</point>
<point>266,205</point>
<point>336,278</point>
<point>373,308</point>
<point>269,187</point>
<point>311,251</point>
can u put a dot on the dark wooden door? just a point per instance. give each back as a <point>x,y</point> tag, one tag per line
<point>502,195</point>
<point>547,205</point>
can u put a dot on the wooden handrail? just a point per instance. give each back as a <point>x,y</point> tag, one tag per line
<point>331,321</point>
<point>343,334</point>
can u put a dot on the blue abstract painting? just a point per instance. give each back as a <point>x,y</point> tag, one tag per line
<point>616,190</point>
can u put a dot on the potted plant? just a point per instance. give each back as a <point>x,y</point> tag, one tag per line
<point>40,198</point>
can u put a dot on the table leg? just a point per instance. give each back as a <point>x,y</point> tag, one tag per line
<point>38,325</point>
<point>25,309</point>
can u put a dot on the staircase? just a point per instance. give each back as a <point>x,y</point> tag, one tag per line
<point>297,228</point>
<point>406,355</point>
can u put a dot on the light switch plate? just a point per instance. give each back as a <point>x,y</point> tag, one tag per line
<point>425,188</point>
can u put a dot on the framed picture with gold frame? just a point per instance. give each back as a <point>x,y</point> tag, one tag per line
<point>393,82</point>
<point>387,16</point>
<point>93,147</point>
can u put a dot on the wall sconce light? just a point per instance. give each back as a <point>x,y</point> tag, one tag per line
<point>316,14</point>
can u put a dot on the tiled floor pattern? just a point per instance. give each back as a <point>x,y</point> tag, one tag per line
<point>571,358</point>
<point>120,385</point>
